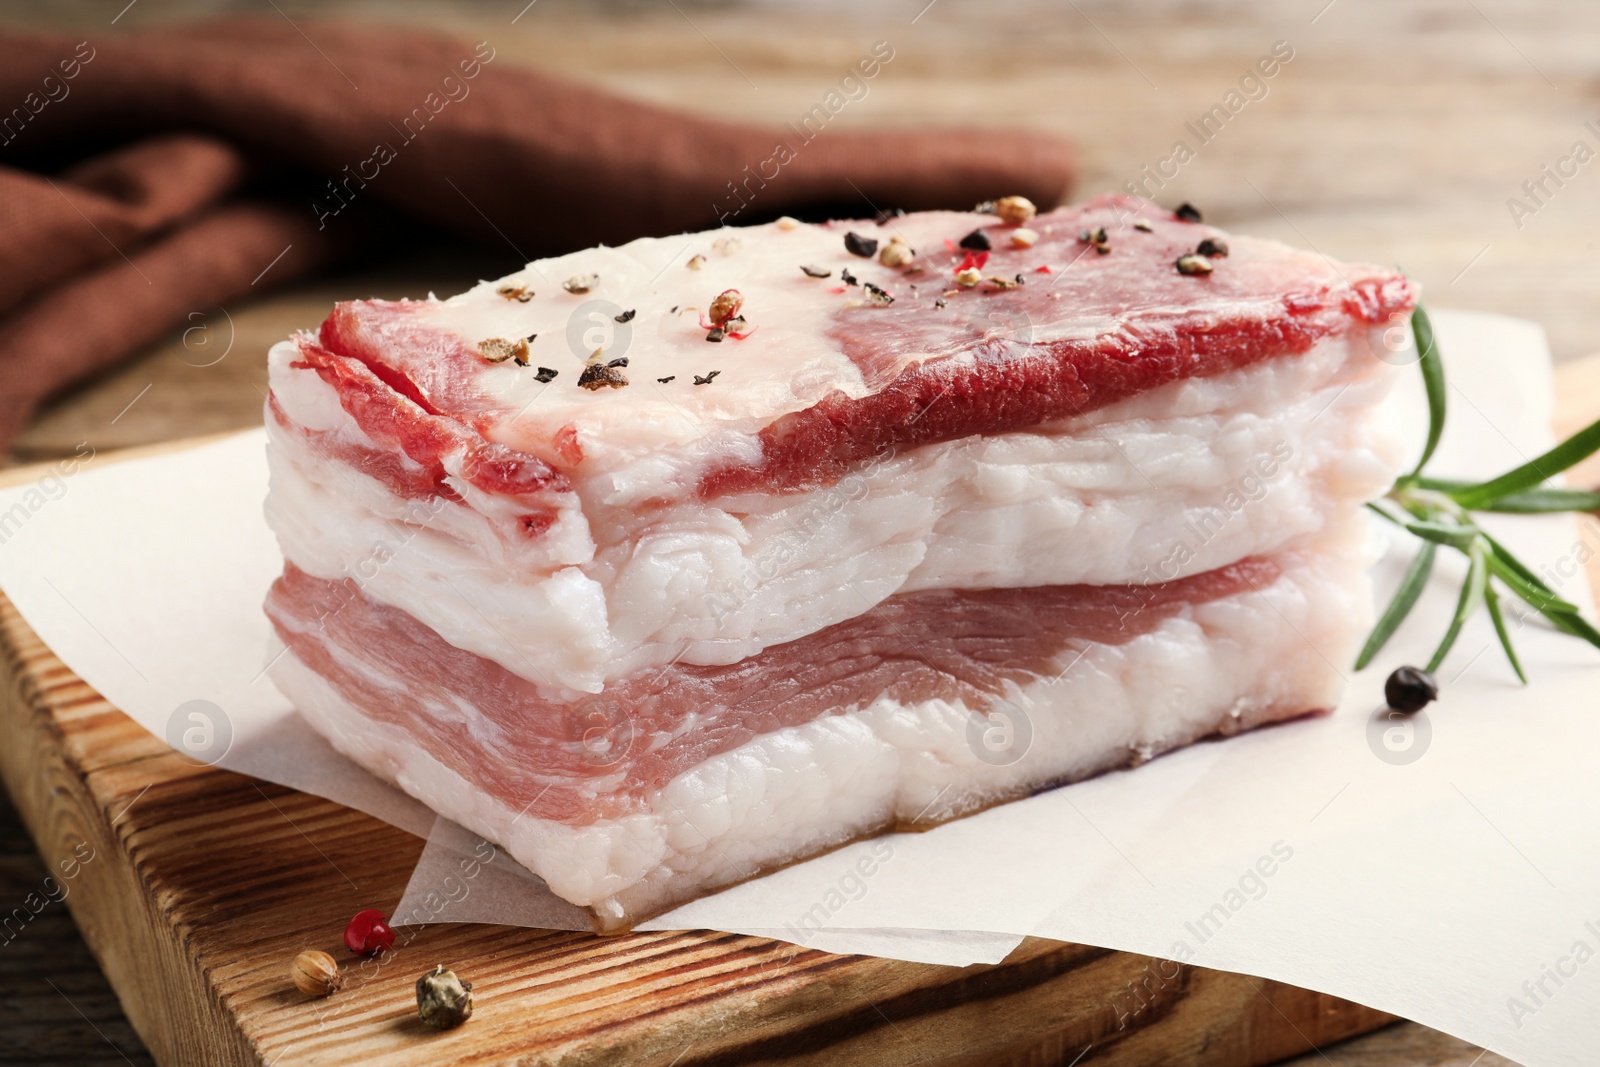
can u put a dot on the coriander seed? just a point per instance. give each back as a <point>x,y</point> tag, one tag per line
<point>897,253</point>
<point>725,306</point>
<point>1015,209</point>
<point>315,973</point>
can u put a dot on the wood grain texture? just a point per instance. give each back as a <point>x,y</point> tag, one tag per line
<point>1396,135</point>
<point>194,887</point>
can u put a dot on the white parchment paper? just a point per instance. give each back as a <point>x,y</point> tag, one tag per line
<point>1446,869</point>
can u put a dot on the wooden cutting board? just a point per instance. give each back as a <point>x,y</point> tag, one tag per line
<point>195,887</point>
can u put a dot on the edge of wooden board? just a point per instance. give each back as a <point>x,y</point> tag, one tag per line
<point>84,777</point>
<point>200,885</point>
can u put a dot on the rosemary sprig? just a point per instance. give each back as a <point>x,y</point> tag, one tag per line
<point>1438,511</point>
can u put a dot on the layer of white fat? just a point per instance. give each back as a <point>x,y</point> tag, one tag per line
<point>651,434</point>
<point>1178,480</point>
<point>1219,666</point>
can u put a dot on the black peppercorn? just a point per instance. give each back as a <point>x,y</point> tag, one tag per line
<point>1188,212</point>
<point>976,241</point>
<point>1410,689</point>
<point>858,245</point>
<point>1213,247</point>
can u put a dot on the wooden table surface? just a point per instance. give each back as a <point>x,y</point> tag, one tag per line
<point>1398,133</point>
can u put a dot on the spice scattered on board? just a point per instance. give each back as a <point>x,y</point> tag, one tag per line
<point>444,1001</point>
<point>315,973</point>
<point>369,933</point>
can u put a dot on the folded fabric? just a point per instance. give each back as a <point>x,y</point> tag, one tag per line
<point>149,175</point>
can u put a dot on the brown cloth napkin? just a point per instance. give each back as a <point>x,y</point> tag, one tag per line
<point>147,176</point>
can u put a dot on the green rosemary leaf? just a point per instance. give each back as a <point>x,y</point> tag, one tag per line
<point>1531,501</point>
<point>1538,501</point>
<point>1546,603</point>
<point>1536,471</point>
<point>1572,624</point>
<point>1432,380</point>
<point>1443,485</point>
<point>1491,600</point>
<point>1471,597</point>
<point>1411,586</point>
<point>1578,626</point>
<point>1527,577</point>
<point>1444,533</point>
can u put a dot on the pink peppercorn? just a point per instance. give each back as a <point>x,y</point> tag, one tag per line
<point>369,933</point>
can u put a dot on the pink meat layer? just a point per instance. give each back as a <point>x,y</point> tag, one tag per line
<point>599,757</point>
<point>407,382</point>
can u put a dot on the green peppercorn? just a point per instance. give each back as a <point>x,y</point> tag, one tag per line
<point>444,1001</point>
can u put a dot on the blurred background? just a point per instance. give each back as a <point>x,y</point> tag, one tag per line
<point>1455,138</point>
<point>1399,133</point>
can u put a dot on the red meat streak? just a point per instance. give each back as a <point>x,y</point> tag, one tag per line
<point>598,757</point>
